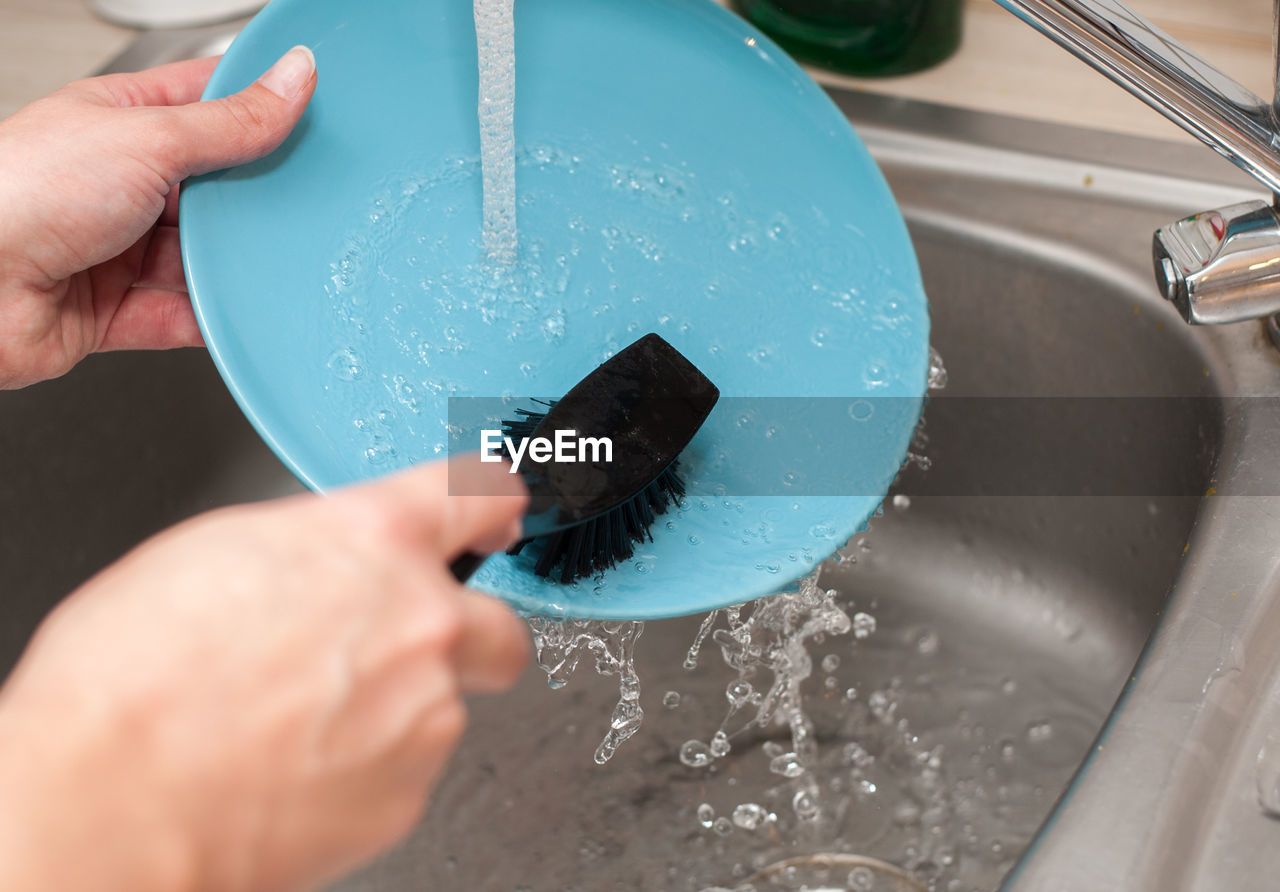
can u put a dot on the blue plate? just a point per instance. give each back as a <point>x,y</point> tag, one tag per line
<point>677,173</point>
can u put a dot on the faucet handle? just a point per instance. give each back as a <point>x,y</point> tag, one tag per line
<point>1222,265</point>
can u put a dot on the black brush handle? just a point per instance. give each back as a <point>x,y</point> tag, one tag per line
<point>466,565</point>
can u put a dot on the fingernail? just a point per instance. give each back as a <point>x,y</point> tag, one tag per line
<point>290,74</point>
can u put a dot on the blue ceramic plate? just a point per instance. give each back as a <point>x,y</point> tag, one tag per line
<point>677,173</point>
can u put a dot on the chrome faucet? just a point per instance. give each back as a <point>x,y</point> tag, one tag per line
<point>1217,266</point>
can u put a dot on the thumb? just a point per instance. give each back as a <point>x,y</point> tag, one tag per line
<point>221,133</point>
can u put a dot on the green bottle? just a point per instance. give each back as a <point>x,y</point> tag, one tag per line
<point>863,37</point>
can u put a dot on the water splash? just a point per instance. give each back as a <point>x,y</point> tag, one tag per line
<point>768,638</point>
<point>771,644</point>
<point>561,643</point>
<point>916,452</point>
<point>937,379</point>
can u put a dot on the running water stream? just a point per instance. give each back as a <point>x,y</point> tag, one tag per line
<point>495,50</point>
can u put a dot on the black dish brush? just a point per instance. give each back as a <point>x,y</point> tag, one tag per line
<point>648,401</point>
<point>596,545</point>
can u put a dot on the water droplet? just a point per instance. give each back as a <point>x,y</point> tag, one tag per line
<point>1039,732</point>
<point>857,756</point>
<point>346,365</point>
<point>906,812</point>
<point>553,326</point>
<point>738,694</point>
<point>927,642</point>
<point>863,625</point>
<point>876,375</point>
<point>937,371</point>
<point>787,765</point>
<point>404,393</point>
<point>861,410</point>
<point>671,699</point>
<point>902,502</point>
<point>750,815</point>
<point>805,806</point>
<point>861,879</point>
<point>379,453</point>
<point>719,744</point>
<point>706,815</point>
<point>695,754</point>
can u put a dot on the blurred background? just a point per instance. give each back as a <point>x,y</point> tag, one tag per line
<point>1001,65</point>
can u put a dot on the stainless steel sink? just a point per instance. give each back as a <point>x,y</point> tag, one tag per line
<point>1097,665</point>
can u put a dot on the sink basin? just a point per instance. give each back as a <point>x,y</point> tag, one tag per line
<point>1079,634</point>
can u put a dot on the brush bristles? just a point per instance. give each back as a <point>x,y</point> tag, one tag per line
<point>598,544</point>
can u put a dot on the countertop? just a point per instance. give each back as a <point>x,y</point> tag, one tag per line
<point>1002,65</point>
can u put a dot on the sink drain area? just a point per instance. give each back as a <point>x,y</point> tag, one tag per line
<point>835,873</point>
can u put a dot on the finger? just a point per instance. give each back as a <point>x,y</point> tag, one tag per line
<point>424,500</point>
<point>204,136</point>
<point>493,648</point>
<point>151,319</point>
<point>169,216</point>
<point>162,262</point>
<point>176,84</point>
<point>486,505</point>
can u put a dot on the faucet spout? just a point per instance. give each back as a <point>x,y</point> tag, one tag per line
<point>1232,275</point>
<point>1166,75</point>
